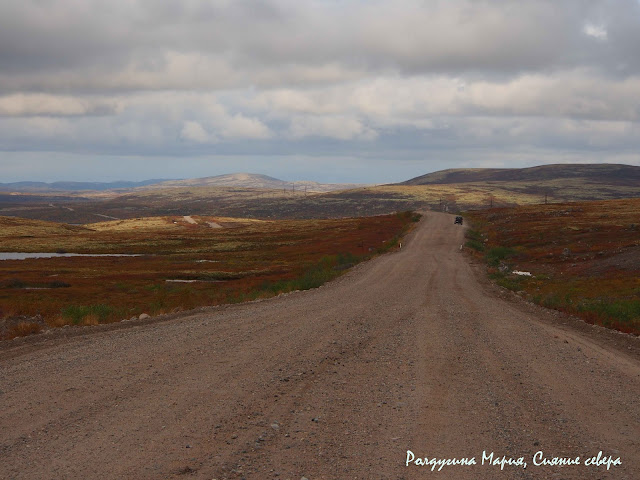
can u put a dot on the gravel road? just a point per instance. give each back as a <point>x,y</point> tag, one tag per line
<point>411,351</point>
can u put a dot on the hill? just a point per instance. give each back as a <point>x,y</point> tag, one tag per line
<point>613,174</point>
<point>232,180</point>
<point>253,180</point>
<point>22,229</point>
<point>224,196</point>
<point>243,180</point>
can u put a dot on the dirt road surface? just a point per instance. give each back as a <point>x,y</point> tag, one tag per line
<point>411,351</point>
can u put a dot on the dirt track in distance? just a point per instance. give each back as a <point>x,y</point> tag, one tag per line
<point>410,351</point>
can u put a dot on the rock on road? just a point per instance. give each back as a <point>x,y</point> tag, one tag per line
<point>413,350</point>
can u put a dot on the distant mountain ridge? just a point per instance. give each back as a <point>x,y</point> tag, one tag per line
<point>243,180</point>
<point>254,180</point>
<point>615,174</point>
<point>72,186</point>
<point>235,180</point>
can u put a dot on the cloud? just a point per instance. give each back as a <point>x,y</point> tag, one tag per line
<point>398,100</point>
<point>31,104</point>
<point>596,31</point>
<point>239,126</point>
<point>336,127</point>
<point>194,132</point>
<point>313,77</point>
<point>124,45</point>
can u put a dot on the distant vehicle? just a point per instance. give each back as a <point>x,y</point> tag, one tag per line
<point>458,220</point>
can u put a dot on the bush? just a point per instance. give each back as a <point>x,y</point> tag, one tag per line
<point>475,245</point>
<point>625,311</point>
<point>496,254</point>
<point>23,329</point>
<point>409,215</point>
<point>473,235</point>
<point>393,243</point>
<point>16,283</point>
<point>474,240</point>
<point>77,313</point>
<point>326,269</point>
<point>550,301</point>
<point>507,281</point>
<point>621,314</point>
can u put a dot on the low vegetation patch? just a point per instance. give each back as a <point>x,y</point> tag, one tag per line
<point>510,282</point>
<point>23,329</point>
<point>182,265</point>
<point>328,268</point>
<point>18,283</point>
<point>496,255</point>
<point>584,257</point>
<point>474,240</point>
<point>77,314</point>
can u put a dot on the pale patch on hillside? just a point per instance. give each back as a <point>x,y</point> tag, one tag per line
<point>255,181</point>
<point>170,223</point>
<point>22,227</point>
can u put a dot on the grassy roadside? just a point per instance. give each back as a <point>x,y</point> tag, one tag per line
<point>583,258</point>
<point>181,265</point>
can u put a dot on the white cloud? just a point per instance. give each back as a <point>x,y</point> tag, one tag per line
<point>599,32</point>
<point>414,101</point>
<point>330,126</point>
<point>194,132</point>
<point>239,126</point>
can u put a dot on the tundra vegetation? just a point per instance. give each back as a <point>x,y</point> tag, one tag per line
<point>183,263</point>
<point>584,257</point>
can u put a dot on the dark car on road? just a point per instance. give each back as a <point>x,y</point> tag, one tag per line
<point>458,220</point>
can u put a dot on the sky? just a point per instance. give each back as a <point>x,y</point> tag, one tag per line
<point>334,91</point>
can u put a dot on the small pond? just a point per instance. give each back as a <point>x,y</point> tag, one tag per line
<point>24,256</point>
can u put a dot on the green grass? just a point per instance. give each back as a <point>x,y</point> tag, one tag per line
<point>328,268</point>
<point>624,311</point>
<point>77,313</point>
<point>497,254</point>
<point>474,240</point>
<point>551,301</point>
<point>609,312</point>
<point>510,282</point>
